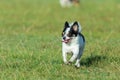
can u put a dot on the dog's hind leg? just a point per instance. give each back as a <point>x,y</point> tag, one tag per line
<point>77,64</point>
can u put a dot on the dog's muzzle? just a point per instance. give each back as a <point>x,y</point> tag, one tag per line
<point>66,40</point>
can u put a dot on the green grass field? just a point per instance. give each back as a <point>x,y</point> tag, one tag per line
<point>30,40</point>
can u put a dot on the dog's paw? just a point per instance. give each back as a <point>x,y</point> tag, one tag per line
<point>66,62</point>
<point>77,66</point>
<point>69,63</point>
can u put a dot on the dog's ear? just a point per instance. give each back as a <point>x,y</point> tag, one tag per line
<point>66,24</point>
<point>75,26</point>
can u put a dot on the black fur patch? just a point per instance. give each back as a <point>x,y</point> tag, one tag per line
<point>82,36</point>
<point>72,31</point>
<point>65,27</point>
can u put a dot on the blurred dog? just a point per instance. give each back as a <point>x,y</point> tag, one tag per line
<point>69,3</point>
<point>72,42</point>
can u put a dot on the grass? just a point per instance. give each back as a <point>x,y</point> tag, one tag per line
<point>30,40</point>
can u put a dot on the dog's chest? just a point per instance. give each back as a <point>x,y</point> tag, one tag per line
<point>74,45</point>
<point>70,48</point>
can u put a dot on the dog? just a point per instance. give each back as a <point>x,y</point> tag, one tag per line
<point>68,3</point>
<point>73,42</point>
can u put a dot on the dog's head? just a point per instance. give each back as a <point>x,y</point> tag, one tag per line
<point>70,31</point>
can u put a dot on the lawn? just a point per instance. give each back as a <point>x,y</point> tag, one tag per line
<point>30,40</point>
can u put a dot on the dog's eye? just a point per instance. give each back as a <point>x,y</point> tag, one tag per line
<point>73,35</point>
<point>63,33</point>
<point>69,35</point>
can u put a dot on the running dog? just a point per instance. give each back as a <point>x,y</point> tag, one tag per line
<point>73,42</point>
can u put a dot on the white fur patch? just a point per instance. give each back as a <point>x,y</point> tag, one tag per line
<point>65,3</point>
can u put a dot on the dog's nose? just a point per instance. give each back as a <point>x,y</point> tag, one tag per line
<point>64,38</point>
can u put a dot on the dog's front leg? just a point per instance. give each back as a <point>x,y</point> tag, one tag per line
<point>64,57</point>
<point>73,58</point>
<point>75,54</point>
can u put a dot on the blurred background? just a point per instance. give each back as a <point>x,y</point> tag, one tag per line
<point>30,39</point>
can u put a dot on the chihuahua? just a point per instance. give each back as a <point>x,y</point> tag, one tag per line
<point>73,42</point>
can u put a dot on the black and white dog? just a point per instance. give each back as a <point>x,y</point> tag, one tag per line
<point>72,42</point>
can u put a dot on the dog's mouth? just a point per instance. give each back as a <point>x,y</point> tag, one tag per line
<point>66,40</point>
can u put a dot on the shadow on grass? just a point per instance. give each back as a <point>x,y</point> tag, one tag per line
<point>92,60</point>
